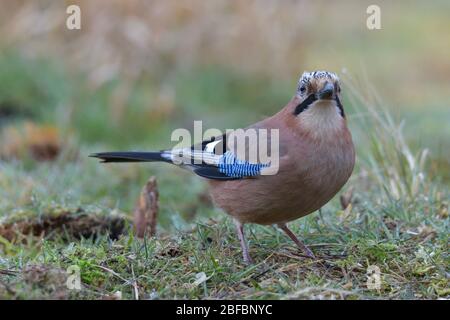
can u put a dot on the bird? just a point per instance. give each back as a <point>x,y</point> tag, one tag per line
<point>316,157</point>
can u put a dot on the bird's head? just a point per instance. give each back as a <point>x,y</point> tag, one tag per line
<point>317,100</point>
<point>323,85</point>
<point>318,87</point>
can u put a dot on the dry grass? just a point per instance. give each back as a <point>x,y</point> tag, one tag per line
<point>129,38</point>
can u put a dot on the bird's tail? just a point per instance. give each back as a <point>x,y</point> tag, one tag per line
<point>132,156</point>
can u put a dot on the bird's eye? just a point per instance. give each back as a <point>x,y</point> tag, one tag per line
<point>302,89</point>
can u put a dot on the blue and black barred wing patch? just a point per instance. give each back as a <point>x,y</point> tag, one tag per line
<point>229,167</point>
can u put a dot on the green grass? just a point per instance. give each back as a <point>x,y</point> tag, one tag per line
<point>398,220</point>
<point>412,263</point>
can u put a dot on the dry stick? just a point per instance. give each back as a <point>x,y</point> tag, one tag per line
<point>9,272</point>
<point>126,281</point>
<point>146,211</point>
<point>135,286</point>
<point>133,282</point>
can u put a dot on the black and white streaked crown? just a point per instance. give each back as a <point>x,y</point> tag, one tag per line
<point>308,76</point>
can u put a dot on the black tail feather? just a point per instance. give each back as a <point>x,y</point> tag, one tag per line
<point>130,156</point>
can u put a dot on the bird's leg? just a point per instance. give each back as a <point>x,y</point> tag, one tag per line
<point>300,244</point>
<point>244,247</point>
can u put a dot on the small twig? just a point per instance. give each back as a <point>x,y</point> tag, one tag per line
<point>113,273</point>
<point>8,272</point>
<point>136,291</point>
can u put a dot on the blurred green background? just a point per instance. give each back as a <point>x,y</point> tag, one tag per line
<point>139,69</point>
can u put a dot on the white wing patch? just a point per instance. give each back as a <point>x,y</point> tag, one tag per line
<point>210,146</point>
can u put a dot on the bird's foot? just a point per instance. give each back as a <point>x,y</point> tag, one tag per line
<point>299,243</point>
<point>247,259</point>
<point>308,252</point>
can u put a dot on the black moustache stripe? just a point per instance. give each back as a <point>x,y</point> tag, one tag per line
<point>311,99</point>
<point>341,108</point>
<point>305,104</point>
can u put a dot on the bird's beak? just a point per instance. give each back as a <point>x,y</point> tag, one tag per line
<point>326,92</point>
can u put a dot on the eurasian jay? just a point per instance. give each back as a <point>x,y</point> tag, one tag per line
<point>315,156</point>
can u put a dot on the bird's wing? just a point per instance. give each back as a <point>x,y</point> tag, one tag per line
<point>213,159</point>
